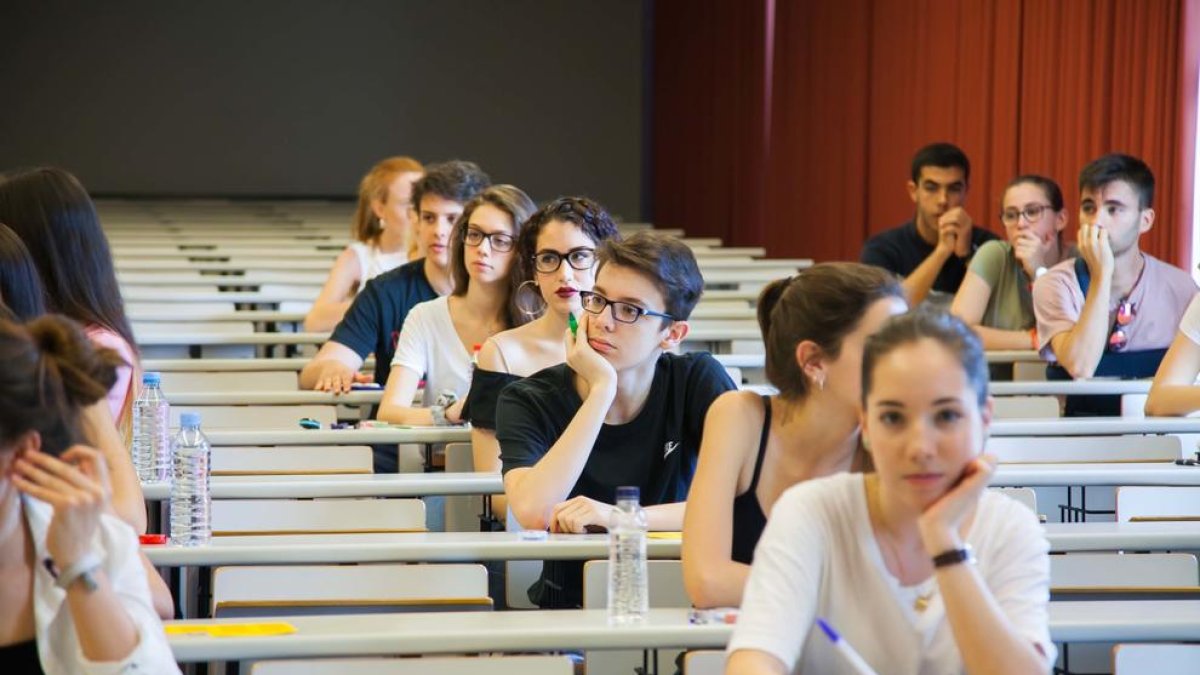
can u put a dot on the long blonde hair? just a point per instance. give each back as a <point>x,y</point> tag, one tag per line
<point>374,187</point>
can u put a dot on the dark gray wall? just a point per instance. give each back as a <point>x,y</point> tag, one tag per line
<point>298,98</point>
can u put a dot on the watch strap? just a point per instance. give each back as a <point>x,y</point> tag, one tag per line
<point>80,569</point>
<point>954,557</point>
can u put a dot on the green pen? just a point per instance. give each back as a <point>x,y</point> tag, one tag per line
<point>572,323</point>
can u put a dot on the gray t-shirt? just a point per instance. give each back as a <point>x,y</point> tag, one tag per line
<point>1010,306</point>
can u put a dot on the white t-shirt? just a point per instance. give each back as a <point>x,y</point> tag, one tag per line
<point>819,558</point>
<point>1189,325</point>
<point>372,262</point>
<point>428,344</point>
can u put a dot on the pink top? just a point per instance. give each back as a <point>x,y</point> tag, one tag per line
<point>104,337</point>
<point>1159,300</point>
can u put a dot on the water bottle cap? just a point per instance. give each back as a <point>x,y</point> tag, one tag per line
<point>629,492</point>
<point>189,419</point>
<point>151,378</point>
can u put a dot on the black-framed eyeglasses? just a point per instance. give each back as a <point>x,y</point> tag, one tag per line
<point>1032,212</point>
<point>1119,339</point>
<point>499,241</point>
<point>581,258</point>
<point>624,312</point>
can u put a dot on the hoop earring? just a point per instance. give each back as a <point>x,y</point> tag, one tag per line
<point>528,299</point>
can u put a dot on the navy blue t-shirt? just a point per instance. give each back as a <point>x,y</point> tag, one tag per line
<point>372,324</point>
<point>902,250</point>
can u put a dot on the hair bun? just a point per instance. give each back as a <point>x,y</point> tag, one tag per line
<point>87,372</point>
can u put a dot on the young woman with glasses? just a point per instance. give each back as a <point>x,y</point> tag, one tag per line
<point>995,297</point>
<point>439,337</point>
<point>556,259</point>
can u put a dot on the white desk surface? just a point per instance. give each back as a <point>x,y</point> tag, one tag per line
<point>277,397</point>
<point>477,546</point>
<point>342,485</point>
<point>1068,387</point>
<point>1012,356</point>
<point>297,364</point>
<point>1096,426</point>
<point>272,296</point>
<point>181,314</point>
<point>393,547</point>
<point>452,434</point>
<point>322,261</point>
<point>541,630</point>
<point>1087,474</point>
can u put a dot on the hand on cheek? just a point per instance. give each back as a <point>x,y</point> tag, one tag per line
<point>942,520</point>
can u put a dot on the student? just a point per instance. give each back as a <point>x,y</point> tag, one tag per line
<point>619,412</point>
<point>756,446</point>
<point>372,324</point>
<point>75,595</point>
<point>556,259</point>
<point>1174,391</point>
<point>382,234</point>
<point>1113,310</point>
<point>996,297</point>
<point>56,220</point>
<point>438,339</point>
<point>932,250</point>
<point>917,565</point>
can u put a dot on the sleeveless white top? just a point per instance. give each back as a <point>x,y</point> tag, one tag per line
<point>372,262</point>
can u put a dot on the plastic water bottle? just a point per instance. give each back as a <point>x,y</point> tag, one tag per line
<point>628,589</point>
<point>190,500</point>
<point>151,431</point>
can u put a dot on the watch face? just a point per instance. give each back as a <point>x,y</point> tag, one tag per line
<point>89,582</point>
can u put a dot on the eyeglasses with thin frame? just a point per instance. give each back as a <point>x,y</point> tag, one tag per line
<point>1032,212</point>
<point>623,312</point>
<point>582,258</point>
<point>1126,311</point>
<point>499,241</point>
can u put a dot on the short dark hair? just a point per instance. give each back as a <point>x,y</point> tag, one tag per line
<point>54,216</point>
<point>666,261</point>
<point>511,200</point>
<point>589,216</point>
<point>20,288</point>
<point>51,372</point>
<point>943,156</point>
<point>824,304</point>
<point>938,325</point>
<point>1046,185</point>
<point>455,180</point>
<point>1114,167</point>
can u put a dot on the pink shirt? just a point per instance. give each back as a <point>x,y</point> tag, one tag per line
<point>1159,300</point>
<point>104,337</point>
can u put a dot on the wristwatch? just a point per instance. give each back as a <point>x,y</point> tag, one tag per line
<point>439,415</point>
<point>1037,274</point>
<point>82,570</point>
<point>954,556</point>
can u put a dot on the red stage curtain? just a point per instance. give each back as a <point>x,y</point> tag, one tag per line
<point>856,86</point>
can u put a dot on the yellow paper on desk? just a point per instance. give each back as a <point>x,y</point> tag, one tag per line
<point>670,536</point>
<point>231,629</point>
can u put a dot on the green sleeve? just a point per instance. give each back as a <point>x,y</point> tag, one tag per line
<point>988,261</point>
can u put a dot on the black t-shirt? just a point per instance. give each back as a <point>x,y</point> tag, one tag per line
<point>902,250</point>
<point>656,451</point>
<point>372,324</point>
<point>486,385</point>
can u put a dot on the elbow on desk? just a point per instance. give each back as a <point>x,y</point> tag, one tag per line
<point>706,587</point>
<point>529,515</point>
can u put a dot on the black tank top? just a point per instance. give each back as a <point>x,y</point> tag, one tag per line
<point>748,517</point>
<point>21,658</point>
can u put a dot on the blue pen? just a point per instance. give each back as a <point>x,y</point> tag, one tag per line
<point>852,657</point>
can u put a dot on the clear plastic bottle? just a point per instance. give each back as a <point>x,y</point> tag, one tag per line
<point>190,499</point>
<point>628,578</point>
<point>151,432</point>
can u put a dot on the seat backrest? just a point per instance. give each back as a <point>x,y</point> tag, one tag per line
<point>1025,495</point>
<point>1158,659</point>
<point>1156,502</point>
<point>462,511</point>
<point>1026,407</point>
<point>704,662</point>
<point>216,327</point>
<point>133,309</point>
<point>1133,405</point>
<point>312,516</point>
<point>254,590</point>
<point>1096,571</point>
<point>1057,449</point>
<point>292,460</point>
<point>228,381</point>
<point>437,665</point>
<point>255,416</point>
<point>665,584</point>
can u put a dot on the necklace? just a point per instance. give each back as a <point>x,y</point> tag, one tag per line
<point>921,602</point>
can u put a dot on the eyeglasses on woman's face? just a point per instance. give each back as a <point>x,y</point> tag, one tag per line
<point>1033,213</point>
<point>623,312</point>
<point>548,260</point>
<point>499,241</point>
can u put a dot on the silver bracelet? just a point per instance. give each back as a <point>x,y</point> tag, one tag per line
<point>439,415</point>
<point>81,570</point>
